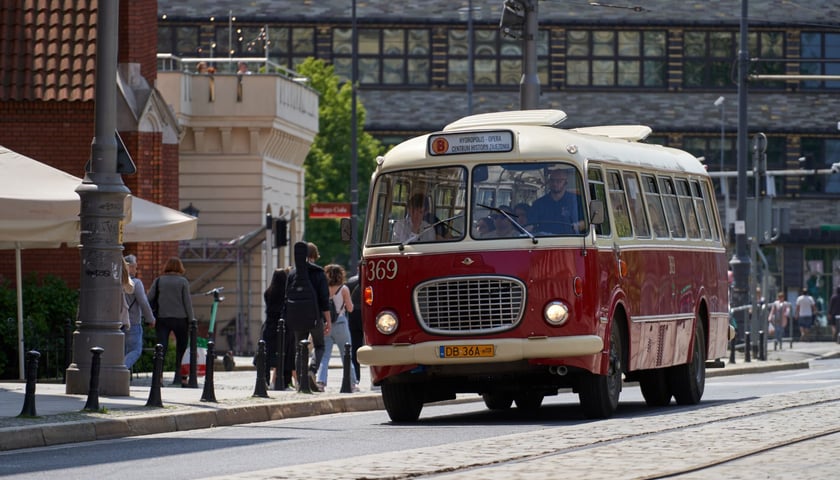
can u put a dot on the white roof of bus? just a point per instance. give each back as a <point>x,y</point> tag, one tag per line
<point>538,139</point>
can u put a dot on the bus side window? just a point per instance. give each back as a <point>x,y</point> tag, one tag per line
<point>672,207</point>
<point>654,201</point>
<point>637,207</point>
<point>618,202</point>
<point>714,224</point>
<point>598,191</point>
<point>702,211</point>
<point>687,207</point>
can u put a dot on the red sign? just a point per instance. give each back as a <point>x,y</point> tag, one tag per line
<point>329,210</point>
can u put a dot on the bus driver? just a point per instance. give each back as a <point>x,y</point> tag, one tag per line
<point>413,227</point>
<point>558,211</point>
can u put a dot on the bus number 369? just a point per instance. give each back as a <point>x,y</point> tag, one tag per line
<point>381,270</point>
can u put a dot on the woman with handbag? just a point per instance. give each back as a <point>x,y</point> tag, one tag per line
<point>172,306</point>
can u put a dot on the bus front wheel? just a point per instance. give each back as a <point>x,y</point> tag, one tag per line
<point>599,393</point>
<point>403,401</point>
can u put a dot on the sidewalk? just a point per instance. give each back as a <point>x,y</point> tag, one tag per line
<point>61,419</point>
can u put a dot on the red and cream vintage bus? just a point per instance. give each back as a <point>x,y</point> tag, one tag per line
<point>511,258</point>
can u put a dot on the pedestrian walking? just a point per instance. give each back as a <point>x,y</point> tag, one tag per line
<point>172,306</point>
<point>319,326</point>
<point>778,319</point>
<point>834,314</point>
<point>340,330</point>
<point>354,321</point>
<point>138,311</point>
<point>806,310</point>
<point>275,300</point>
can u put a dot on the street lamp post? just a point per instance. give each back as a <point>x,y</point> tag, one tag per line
<point>724,183</point>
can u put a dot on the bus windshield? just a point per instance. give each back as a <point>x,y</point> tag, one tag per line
<point>506,200</point>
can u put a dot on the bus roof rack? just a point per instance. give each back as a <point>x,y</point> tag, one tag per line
<point>633,133</point>
<point>549,118</point>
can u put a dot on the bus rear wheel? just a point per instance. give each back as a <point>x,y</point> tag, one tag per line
<point>655,389</point>
<point>688,381</point>
<point>599,393</point>
<point>403,401</point>
<point>497,401</point>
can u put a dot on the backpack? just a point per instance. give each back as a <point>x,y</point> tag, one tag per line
<point>333,311</point>
<point>301,309</point>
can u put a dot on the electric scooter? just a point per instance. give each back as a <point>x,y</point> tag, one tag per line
<point>227,361</point>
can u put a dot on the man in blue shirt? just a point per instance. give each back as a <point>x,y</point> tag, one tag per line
<point>558,211</point>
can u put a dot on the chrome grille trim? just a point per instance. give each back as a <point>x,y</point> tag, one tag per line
<point>469,305</point>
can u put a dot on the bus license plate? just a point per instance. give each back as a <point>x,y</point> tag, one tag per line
<point>467,351</point>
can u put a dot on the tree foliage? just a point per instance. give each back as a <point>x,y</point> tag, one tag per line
<point>328,164</point>
<point>49,306</point>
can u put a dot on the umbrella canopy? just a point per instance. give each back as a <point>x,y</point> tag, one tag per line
<point>39,208</point>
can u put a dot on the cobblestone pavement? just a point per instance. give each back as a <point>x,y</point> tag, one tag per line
<point>644,447</point>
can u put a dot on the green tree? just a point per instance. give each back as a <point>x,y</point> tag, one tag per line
<point>328,163</point>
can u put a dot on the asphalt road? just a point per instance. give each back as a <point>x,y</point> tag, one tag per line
<point>360,443</point>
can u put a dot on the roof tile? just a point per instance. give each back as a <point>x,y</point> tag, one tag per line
<point>56,39</point>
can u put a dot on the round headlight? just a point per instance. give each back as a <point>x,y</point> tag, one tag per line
<point>386,322</point>
<point>556,313</point>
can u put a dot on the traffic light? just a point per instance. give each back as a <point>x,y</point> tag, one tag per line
<point>513,19</point>
<point>280,227</point>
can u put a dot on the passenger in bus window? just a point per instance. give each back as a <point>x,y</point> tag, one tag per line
<point>559,210</point>
<point>413,227</point>
<point>484,227</point>
<point>521,210</point>
<point>503,227</point>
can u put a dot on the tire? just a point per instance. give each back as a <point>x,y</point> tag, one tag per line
<point>403,402</point>
<point>655,389</point>
<point>599,393</point>
<point>528,401</point>
<point>497,401</point>
<point>688,381</point>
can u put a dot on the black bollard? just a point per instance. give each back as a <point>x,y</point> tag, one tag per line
<point>747,347</point>
<point>68,346</point>
<point>732,351</point>
<point>260,386</point>
<point>280,366</point>
<point>762,345</point>
<point>92,404</point>
<point>193,379</point>
<point>209,394</point>
<point>303,367</point>
<point>31,379</point>
<point>157,378</point>
<point>347,364</point>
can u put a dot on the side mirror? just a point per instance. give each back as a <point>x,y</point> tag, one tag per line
<point>596,212</point>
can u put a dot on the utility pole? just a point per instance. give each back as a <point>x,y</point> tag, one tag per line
<point>519,20</point>
<point>740,262</point>
<point>102,194</point>
<point>354,154</point>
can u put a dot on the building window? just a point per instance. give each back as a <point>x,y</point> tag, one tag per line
<point>824,47</point>
<point>711,58</point>
<point>497,60</point>
<point>390,56</point>
<point>605,58</point>
<point>820,153</point>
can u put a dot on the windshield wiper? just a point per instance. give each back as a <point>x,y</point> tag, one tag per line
<point>413,236</point>
<point>514,222</point>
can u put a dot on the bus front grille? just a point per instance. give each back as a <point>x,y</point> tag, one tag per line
<point>470,305</point>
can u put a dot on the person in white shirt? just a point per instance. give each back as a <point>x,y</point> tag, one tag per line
<point>413,228</point>
<point>806,309</point>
